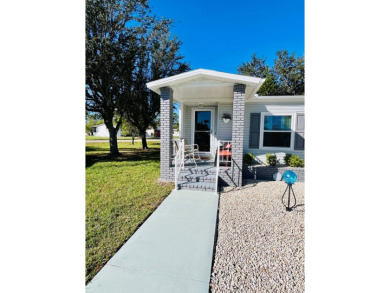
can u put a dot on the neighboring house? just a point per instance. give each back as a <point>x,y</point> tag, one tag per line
<point>259,124</point>
<point>101,130</point>
<point>158,132</point>
<point>150,132</point>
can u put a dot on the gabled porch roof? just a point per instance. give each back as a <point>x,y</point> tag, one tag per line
<point>195,85</point>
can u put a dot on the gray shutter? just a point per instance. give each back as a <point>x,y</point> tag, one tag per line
<point>300,132</point>
<point>254,131</point>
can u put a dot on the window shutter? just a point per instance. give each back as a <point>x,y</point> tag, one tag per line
<point>254,131</point>
<point>300,132</point>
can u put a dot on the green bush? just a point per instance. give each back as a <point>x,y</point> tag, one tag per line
<point>249,158</point>
<point>271,159</point>
<point>296,161</point>
<point>287,159</point>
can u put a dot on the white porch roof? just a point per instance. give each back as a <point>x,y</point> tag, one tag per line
<point>203,84</point>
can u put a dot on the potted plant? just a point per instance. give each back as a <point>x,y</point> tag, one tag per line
<point>226,117</point>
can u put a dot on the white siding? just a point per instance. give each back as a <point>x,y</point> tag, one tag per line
<point>275,108</point>
<point>187,123</point>
<point>149,132</point>
<point>101,130</point>
<point>224,129</point>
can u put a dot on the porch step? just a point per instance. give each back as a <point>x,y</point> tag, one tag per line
<point>197,177</point>
<point>199,186</point>
<point>203,171</point>
<point>199,170</point>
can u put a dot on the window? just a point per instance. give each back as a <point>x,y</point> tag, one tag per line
<point>276,131</point>
<point>93,129</point>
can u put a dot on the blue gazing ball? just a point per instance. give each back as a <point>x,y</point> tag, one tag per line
<point>290,177</point>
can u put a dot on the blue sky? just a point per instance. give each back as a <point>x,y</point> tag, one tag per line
<point>220,35</point>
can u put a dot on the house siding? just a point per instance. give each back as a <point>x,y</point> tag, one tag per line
<point>187,124</point>
<point>256,107</point>
<point>224,131</point>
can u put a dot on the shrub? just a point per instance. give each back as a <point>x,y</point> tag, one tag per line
<point>287,159</point>
<point>249,158</point>
<point>296,161</point>
<point>271,159</point>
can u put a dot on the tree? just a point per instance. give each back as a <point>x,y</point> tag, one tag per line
<point>269,87</point>
<point>91,119</point>
<point>175,120</point>
<point>159,58</point>
<point>290,73</point>
<point>286,77</point>
<point>113,30</point>
<point>88,127</point>
<point>128,129</point>
<point>255,67</point>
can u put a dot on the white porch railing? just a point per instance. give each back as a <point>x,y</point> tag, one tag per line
<point>179,161</point>
<point>224,151</point>
<point>217,169</point>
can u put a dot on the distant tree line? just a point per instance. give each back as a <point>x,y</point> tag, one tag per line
<point>285,77</point>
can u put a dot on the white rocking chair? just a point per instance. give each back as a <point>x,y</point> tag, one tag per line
<point>191,151</point>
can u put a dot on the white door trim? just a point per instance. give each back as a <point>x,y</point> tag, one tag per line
<point>212,136</point>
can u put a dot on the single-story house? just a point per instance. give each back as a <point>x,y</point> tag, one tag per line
<point>101,130</point>
<point>150,132</point>
<point>208,98</point>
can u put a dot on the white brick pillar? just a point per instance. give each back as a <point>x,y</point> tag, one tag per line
<point>238,132</point>
<point>166,133</point>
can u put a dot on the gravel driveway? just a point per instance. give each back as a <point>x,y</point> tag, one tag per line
<point>260,246</point>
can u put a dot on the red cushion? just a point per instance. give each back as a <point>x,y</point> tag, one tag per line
<point>225,153</point>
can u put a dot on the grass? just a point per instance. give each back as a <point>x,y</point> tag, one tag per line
<point>119,138</point>
<point>120,194</point>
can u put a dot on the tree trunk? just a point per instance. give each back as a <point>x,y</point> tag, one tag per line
<point>144,143</point>
<point>113,141</point>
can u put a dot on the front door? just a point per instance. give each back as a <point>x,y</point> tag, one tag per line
<point>202,130</point>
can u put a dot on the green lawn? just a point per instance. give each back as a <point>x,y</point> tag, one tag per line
<point>119,138</point>
<point>120,194</point>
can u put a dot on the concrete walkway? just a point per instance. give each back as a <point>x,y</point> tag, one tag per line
<point>171,252</point>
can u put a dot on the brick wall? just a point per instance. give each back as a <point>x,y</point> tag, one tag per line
<point>238,132</point>
<point>166,133</point>
<point>266,172</point>
<point>226,178</point>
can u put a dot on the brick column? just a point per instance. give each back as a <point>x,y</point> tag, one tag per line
<point>238,132</point>
<point>166,133</point>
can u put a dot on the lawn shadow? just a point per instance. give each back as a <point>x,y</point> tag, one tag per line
<point>152,154</point>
